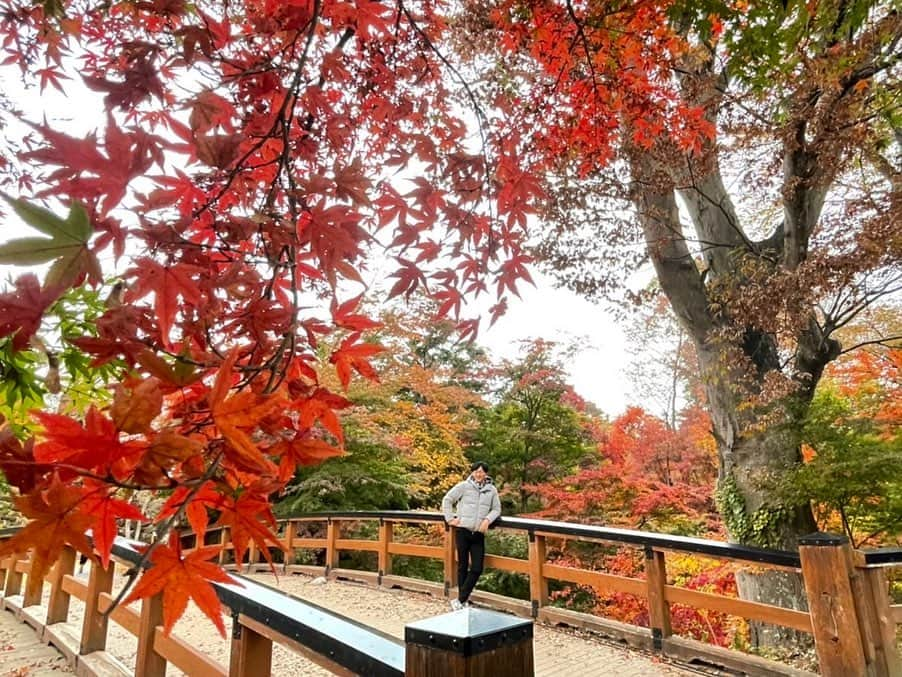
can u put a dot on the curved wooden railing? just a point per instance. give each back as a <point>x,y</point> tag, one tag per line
<point>833,574</point>
<point>851,617</point>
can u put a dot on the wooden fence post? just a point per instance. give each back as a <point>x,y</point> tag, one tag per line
<point>94,624</point>
<point>223,542</point>
<point>538,584</point>
<point>13,578</point>
<point>332,529</point>
<point>288,556</point>
<point>873,604</point>
<point>450,552</point>
<point>149,663</point>
<point>837,637</point>
<point>58,605</point>
<point>658,607</point>
<point>386,534</point>
<point>252,556</point>
<point>251,653</point>
<point>469,642</point>
<point>34,588</point>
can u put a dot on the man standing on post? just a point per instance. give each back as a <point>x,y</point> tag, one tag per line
<point>471,506</point>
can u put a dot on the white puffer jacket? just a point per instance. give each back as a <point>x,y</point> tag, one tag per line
<point>472,503</point>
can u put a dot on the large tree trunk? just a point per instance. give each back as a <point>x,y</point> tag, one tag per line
<point>753,451</point>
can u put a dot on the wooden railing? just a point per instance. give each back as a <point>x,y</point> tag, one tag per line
<point>851,618</point>
<point>860,640</point>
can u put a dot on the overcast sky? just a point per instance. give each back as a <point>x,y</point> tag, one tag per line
<point>598,372</point>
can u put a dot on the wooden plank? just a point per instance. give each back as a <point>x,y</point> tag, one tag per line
<point>596,579</point>
<point>75,587</point>
<point>624,544</point>
<point>896,610</point>
<point>250,653</point>
<point>514,564</point>
<point>297,647</point>
<point>789,618</point>
<point>148,662</point>
<point>834,620</point>
<point>94,624</point>
<point>185,657</point>
<point>310,543</point>
<point>332,533</point>
<point>13,585</point>
<point>386,534</point>
<point>887,660</point>
<point>658,606</point>
<point>127,618</point>
<point>622,632</point>
<point>691,651</point>
<point>288,542</point>
<point>358,544</point>
<point>58,604</point>
<point>416,550</point>
<point>538,583</point>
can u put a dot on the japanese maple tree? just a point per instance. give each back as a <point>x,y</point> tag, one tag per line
<point>248,157</point>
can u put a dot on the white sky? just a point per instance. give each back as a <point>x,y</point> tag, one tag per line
<point>598,371</point>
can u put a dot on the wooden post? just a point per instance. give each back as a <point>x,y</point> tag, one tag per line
<point>837,638</point>
<point>252,556</point>
<point>288,557</point>
<point>658,607</point>
<point>332,529</point>
<point>470,642</point>
<point>223,542</point>
<point>538,584</point>
<point>386,534</point>
<point>251,652</point>
<point>448,559</point>
<point>13,578</point>
<point>874,606</point>
<point>149,663</point>
<point>58,605</point>
<point>94,625</point>
<point>34,588</point>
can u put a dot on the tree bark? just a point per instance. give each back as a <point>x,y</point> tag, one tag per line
<point>752,455</point>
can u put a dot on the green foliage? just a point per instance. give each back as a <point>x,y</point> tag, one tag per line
<point>759,528</point>
<point>506,583</point>
<point>534,433</point>
<point>369,477</point>
<point>54,372</point>
<point>855,471</point>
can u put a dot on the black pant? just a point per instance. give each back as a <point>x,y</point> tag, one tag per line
<point>470,555</point>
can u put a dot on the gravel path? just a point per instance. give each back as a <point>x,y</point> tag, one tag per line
<point>558,652</point>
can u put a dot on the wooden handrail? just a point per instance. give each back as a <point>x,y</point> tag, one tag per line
<point>263,615</point>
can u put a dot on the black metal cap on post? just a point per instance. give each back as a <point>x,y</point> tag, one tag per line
<point>823,539</point>
<point>469,641</point>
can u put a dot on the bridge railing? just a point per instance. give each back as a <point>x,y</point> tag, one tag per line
<point>260,616</point>
<point>850,616</point>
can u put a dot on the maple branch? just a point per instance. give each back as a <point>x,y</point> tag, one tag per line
<point>481,119</point>
<point>160,532</point>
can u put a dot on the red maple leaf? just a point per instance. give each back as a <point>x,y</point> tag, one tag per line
<point>104,509</point>
<point>58,518</point>
<point>92,446</point>
<point>22,309</point>
<point>301,451</point>
<point>249,518</point>
<point>167,283</point>
<point>180,579</point>
<point>236,415</point>
<point>352,355</point>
